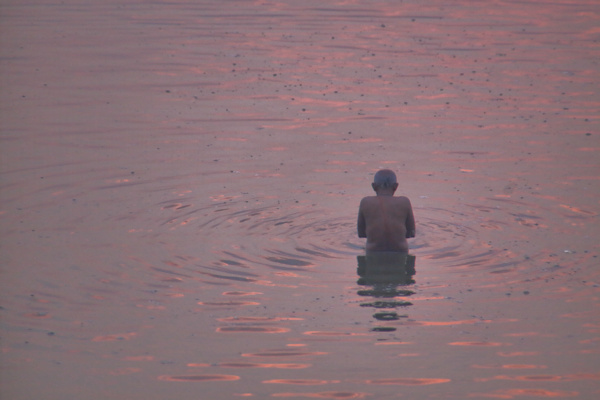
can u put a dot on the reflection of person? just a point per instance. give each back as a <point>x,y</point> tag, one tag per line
<point>383,272</point>
<point>386,268</point>
<point>386,221</point>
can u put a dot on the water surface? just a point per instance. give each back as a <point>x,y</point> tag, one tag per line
<point>180,182</point>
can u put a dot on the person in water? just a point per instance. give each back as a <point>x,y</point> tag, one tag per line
<point>386,220</point>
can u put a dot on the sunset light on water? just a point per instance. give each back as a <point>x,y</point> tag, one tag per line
<point>180,183</point>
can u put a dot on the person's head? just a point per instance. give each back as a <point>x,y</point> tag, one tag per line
<point>385,181</point>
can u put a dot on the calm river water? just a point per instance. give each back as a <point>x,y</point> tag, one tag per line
<point>180,182</point>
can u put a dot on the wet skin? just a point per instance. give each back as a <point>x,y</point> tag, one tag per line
<point>386,221</point>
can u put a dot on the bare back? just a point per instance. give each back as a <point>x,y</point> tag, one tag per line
<point>386,222</point>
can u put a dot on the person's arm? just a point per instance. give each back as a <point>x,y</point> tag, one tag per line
<point>361,224</point>
<point>410,221</point>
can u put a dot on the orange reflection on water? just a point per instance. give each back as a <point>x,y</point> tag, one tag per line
<point>391,343</point>
<point>258,319</point>
<point>518,353</point>
<point>584,376</point>
<point>174,294</point>
<point>578,210</point>
<point>523,334</point>
<point>325,395</point>
<point>325,333</point>
<point>477,344</point>
<point>511,393</point>
<point>428,298</point>
<point>593,326</point>
<point>228,303</point>
<point>596,351</point>
<point>284,353</point>
<point>300,381</point>
<point>239,293</point>
<point>512,366</point>
<point>553,378</point>
<point>408,381</point>
<point>198,378</point>
<point>260,329</point>
<point>263,365</point>
<point>361,140</point>
<point>546,378</point>
<point>109,338</point>
<point>450,323</point>
<point>139,358</point>
<point>589,341</point>
<point>288,274</point>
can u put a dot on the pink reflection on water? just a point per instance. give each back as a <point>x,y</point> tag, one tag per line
<point>512,366</point>
<point>115,337</point>
<point>285,353</point>
<point>392,343</point>
<point>518,353</point>
<point>263,365</point>
<point>546,378</point>
<point>228,303</point>
<point>450,323</point>
<point>300,381</point>
<point>254,329</point>
<point>258,319</point>
<point>198,378</point>
<point>325,395</point>
<point>408,381</point>
<point>478,344</point>
<point>240,293</point>
<point>512,393</point>
<point>324,333</point>
<point>425,47</point>
<point>139,358</point>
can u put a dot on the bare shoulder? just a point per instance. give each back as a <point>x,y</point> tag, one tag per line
<point>368,203</point>
<point>403,201</point>
<point>368,200</point>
